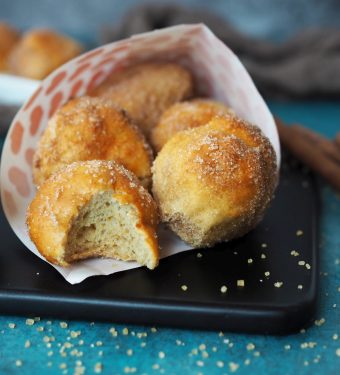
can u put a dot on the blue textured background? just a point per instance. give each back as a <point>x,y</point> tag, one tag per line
<point>56,350</point>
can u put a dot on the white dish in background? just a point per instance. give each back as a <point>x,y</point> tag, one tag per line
<point>16,90</point>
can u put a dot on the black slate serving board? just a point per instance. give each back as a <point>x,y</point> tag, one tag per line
<point>31,287</point>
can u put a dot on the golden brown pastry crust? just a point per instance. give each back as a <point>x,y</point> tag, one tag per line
<point>60,199</point>
<point>41,51</point>
<point>88,128</point>
<point>8,38</point>
<point>146,90</point>
<point>214,182</point>
<point>185,115</point>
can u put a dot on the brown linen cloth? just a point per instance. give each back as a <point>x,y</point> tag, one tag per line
<point>305,66</point>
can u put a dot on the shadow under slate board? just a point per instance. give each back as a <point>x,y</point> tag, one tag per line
<point>31,287</point>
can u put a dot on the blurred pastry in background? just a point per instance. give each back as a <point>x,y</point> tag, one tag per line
<point>186,115</point>
<point>146,90</point>
<point>88,128</point>
<point>40,51</point>
<point>9,36</point>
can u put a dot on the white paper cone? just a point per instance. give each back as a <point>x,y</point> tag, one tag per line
<point>217,71</point>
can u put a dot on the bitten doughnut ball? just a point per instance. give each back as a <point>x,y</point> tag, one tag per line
<point>41,51</point>
<point>94,209</point>
<point>213,183</point>
<point>185,115</point>
<point>146,90</point>
<point>87,129</point>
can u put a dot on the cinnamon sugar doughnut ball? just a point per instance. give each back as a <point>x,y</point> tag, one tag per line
<point>146,90</point>
<point>41,51</point>
<point>8,38</point>
<point>185,115</point>
<point>94,209</point>
<point>214,183</point>
<point>87,129</point>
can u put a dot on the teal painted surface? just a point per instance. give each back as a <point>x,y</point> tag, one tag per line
<point>91,347</point>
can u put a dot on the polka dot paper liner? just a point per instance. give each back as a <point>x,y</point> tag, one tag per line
<point>218,73</point>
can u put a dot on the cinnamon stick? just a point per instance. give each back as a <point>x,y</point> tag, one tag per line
<point>337,139</point>
<point>306,151</point>
<point>328,147</point>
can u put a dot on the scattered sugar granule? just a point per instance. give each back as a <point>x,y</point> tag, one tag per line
<point>240,283</point>
<point>257,354</point>
<point>220,364</point>
<point>278,284</point>
<point>75,334</point>
<point>200,363</point>
<point>184,288</point>
<point>155,366</point>
<point>299,232</point>
<point>250,261</point>
<point>11,325</point>
<point>263,256</point>
<point>250,346</point>
<point>30,322</point>
<point>301,262</point>
<point>267,273</point>
<point>223,289</point>
<point>205,354</point>
<point>63,325</point>
<point>113,332</point>
<point>335,336</point>
<point>161,355</point>
<point>18,362</point>
<point>308,266</point>
<point>27,343</point>
<point>247,362</point>
<point>320,322</point>
<point>129,352</point>
<point>202,347</point>
<point>98,367</point>
<point>294,253</point>
<point>153,329</point>
<point>287,347</point>
<point>264,245</point>
<point>300,286</point>
<point>99,343</point>
<point>233,366</point>
<point>125,331</point>
<point>199,255</point>
<point>337,352</point>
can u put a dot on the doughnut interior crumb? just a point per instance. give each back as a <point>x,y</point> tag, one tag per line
<point>107,228</point>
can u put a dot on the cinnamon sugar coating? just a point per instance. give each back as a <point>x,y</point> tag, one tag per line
<point>185,115</point>
<point>214,183</point>
<point>87,129</point>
